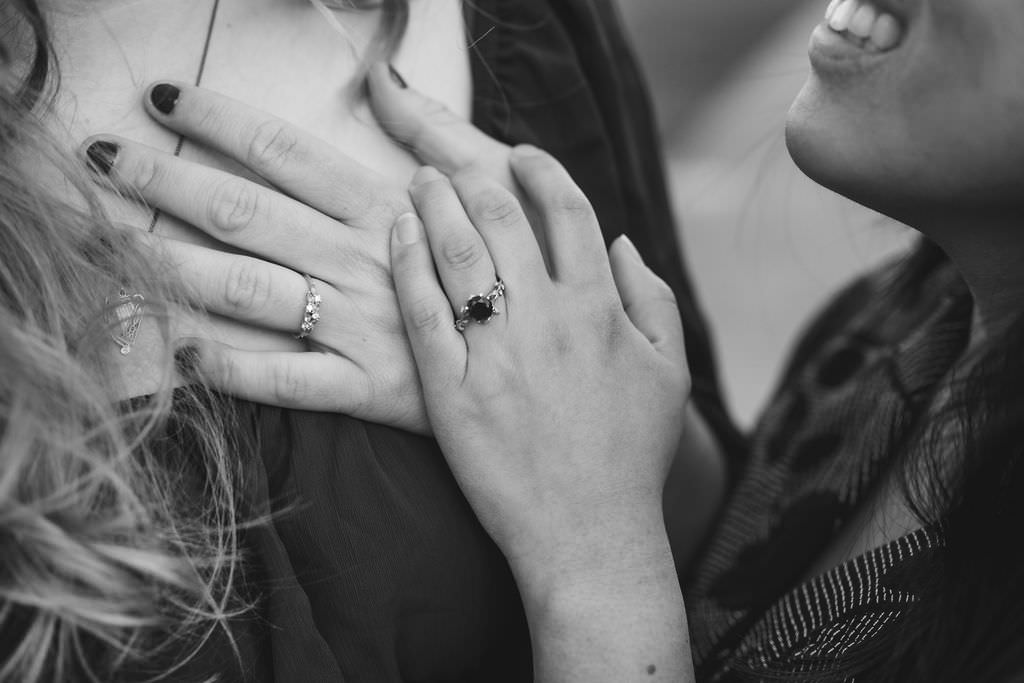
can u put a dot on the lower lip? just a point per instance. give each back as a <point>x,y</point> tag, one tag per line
<point>832,53</point>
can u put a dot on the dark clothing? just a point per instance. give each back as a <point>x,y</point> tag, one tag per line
<point>857,385</point>
<point>559,74</point>
<point>374,567</point>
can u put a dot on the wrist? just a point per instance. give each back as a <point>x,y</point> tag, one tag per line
<point>607,611</point>
<point>598,553</point>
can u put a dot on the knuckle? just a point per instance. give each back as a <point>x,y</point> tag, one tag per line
<point>288,384</point>
<point>662,292</point>
<point>494,205</point>
<point>541,162</point>
<point>573,202</point>
<point>209,115</point>
<point>431,117</point>
<point>381,209</point>
<point>431,196</point>
<point>504,374</point>
<point>683,381</point>
<point>559,343</point>
<point>271,145</point>
<point>427,319</point>
<point>246,286</point>
<point>221,367</point>
<point>461,254</point>
<point>147,175</point>
<point>437,112</point>
<point>234,206</point>
<point>492,160</point>
<point>609,323</point>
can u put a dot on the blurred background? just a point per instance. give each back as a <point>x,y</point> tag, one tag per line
<point>765,245</point>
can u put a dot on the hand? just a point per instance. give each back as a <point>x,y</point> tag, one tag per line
<point>696,484</point>
<point>364,365</point>
<point>560,416</point>
<point>441,139</point>
<point>330,220</point>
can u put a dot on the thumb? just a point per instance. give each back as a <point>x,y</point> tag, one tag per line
<point>650,303</point>
<point>433,132</point>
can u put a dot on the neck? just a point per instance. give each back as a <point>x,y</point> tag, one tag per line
<point>988,252</point>
<point>107,50</point>
<point>278,56</point>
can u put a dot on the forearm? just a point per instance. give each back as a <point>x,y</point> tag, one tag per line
<point>608,607</point>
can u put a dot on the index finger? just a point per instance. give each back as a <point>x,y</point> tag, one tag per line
<point>570,226</point>
<point>296,162</point>
<point>434,133</point>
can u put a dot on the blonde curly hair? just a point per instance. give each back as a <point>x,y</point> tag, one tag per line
<point>106,561</point>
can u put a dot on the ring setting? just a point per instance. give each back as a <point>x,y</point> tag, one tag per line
<point>480,308</point>
<point>311,313</point>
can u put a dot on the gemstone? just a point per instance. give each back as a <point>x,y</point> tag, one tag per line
<point>480,309</point>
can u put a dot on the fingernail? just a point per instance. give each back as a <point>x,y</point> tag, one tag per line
<point>164,97</point>
<point>526,150</point>
<point>397,77</point>
<point>425,174</point>
<point>101,156</point>
<point>408,229</point>
<point>631,248</point>
<point>186,361</point>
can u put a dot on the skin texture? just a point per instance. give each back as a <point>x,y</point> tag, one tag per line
<point>350,268</point>
<point>109,50</point>
<point>598,557</point>
<point>930,133</point>
<point>560,417</point>
<point>606,561</point>
<point>364,367</point>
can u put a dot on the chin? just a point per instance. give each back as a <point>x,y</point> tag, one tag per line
<point>827,147</point>
<point>815,139</point>
<point>895,164</point>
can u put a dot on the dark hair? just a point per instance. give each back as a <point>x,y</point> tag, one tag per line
<point>964,473</point>
<point>961,471</point>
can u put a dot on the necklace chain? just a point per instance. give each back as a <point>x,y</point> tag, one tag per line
<point>198,81</point>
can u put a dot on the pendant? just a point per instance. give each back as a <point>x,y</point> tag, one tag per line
<point>128,311</point>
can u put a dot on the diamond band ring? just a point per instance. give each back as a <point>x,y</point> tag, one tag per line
<point>311,313</point>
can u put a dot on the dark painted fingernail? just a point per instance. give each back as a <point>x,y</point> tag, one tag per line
<point>101,156</point>
<point>397,77</point>
<point>186,361</point>
<point>164,96</point>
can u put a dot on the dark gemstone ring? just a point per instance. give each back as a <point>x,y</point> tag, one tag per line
<point>480,308</point>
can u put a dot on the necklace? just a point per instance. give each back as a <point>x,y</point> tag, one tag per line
<point>198,81</point>
<point>129,309</point>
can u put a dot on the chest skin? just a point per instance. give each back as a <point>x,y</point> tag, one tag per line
<point>280,56</point>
